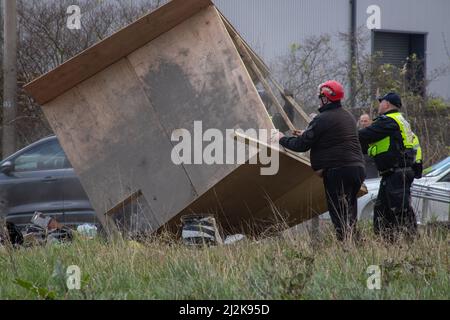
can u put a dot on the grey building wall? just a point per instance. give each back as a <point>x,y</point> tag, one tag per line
<point>271,26</point>
<point>431,17</point>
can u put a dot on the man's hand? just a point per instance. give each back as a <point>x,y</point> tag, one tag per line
<point>276,137</point>
<point>297,133</point>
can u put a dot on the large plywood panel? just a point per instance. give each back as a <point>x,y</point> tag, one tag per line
<point>248,202</point>
<point>112,49</point>
<point>194,73</point>
<point>115,125</point>
<point>116,144</point>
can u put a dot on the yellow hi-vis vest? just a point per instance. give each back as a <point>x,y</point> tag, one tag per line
<point>408,137</point>
<point>418,149</point>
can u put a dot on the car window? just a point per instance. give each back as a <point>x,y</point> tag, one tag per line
<point>446,178</point>
<point>48,156</point>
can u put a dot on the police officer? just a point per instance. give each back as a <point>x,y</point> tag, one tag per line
<point>397,154</point>
<point>336,156</point>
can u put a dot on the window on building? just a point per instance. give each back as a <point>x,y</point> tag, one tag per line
<point>403,49</point>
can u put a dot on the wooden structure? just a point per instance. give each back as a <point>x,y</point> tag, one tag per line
<point>115,106</point>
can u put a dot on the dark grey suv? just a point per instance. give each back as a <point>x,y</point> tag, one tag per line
<point>41,178</point>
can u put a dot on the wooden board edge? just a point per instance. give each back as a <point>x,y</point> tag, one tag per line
<point>234,33</point>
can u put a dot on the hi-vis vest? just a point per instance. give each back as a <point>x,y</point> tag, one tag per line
<point>410,140</point>
<point>418,149</point>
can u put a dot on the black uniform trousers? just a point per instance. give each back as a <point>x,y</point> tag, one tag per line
<point>393,213</point>
<point>341,187</point>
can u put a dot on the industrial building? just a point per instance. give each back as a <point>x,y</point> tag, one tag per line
<point>397,28</point>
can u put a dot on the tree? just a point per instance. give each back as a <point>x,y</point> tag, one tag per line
<point>45,42</point>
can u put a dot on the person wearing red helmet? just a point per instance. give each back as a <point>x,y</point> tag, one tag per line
<point>336,156</point>
<point>331,91</point>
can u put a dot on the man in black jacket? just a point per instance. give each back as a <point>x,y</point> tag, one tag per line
<point>335,155</point>
<point>392,144</point>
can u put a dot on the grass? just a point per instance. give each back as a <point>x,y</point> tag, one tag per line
<point>286,267</point>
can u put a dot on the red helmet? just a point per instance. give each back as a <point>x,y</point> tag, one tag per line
<point>332,89</point>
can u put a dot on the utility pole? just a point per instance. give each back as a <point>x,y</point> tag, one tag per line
<point>9,77</point>
<point>353,49</point>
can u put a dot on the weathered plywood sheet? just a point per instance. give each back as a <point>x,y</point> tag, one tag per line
<point>116,144</point>
<point>248,202</point>
<point>194,73</point>
<point>112,49</point>
<point>116,126</point>
<point>120,101</point>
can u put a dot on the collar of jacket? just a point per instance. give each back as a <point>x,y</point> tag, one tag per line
<point>391,111</point>
<point>330,106</point>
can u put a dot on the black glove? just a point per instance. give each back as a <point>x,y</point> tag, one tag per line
<point>418,168</point>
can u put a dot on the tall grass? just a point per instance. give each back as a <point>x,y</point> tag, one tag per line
<point>284,267</point>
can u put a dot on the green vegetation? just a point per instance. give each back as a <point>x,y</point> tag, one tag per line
<point>437,103</point>
<point>286,267</point>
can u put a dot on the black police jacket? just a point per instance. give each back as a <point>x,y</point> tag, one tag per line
<point>332,137</point>
<point>382,127</point>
